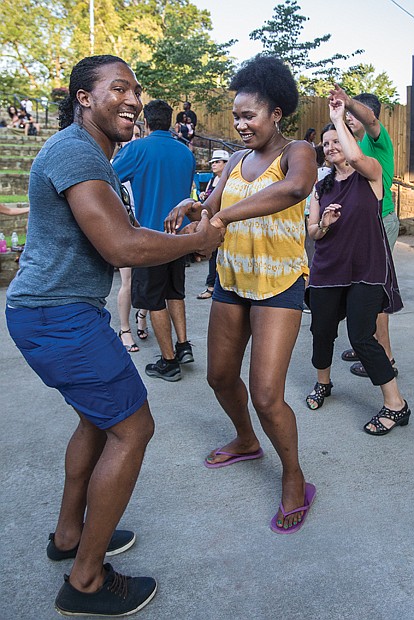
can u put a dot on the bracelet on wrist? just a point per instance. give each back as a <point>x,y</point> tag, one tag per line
<point>324,229</point>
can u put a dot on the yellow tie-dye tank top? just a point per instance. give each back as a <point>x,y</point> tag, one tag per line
<point>262,256</point>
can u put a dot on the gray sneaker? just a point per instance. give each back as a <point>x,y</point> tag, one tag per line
<point>119,596</point>
<point>169,370</point>
<point>184,352</point>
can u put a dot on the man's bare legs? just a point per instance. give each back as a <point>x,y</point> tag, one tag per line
<point>176,308</point>
<point>82,453</point>
<point>274,332</point>
<point>161,323</point>
<point>101,471</point>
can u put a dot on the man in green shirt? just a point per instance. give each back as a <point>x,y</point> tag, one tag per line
<point>362,117</point>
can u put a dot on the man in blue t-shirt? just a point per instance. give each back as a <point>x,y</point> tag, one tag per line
<point>161,171</point>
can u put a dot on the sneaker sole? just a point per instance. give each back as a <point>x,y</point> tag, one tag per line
<point>63,612</point>
<point>127,546</point>
<point>186,359</point>
<point>176,377</point>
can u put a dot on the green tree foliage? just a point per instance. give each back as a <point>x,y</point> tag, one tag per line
<point>41,40</point>
<point>33,38</point>
<point>358,79</point>
<point>362,79</point>
<point>280,37</point>
<point>185,63</point>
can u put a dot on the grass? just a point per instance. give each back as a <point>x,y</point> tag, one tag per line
<point>15,198</point>
<point>23,172</point>
<point>22,239</point>
<point>16,157</point>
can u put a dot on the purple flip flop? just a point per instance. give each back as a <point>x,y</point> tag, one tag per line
<point>234,458</point>
<point>310,492</point>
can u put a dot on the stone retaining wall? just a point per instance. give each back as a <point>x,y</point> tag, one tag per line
<point>9,223</point>
<point>8,267</point>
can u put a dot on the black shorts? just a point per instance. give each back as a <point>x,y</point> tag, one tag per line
<point>151,286</point>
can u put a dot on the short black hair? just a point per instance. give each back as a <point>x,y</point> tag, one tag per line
<point>83,77</point>
<point>371,101</point>
<point>158,115</point>
<point>270,80</point>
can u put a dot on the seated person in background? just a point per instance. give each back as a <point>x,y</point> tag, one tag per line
<point>27,123</point>
<point>14,117</point>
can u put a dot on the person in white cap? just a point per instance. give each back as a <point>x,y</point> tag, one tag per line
<point>218,162</point>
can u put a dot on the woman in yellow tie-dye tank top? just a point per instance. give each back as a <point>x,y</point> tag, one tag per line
<point>258,294</point>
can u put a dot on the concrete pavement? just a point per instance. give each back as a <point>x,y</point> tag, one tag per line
<point>204,534</point>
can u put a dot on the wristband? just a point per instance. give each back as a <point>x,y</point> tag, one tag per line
<point>324,229</point>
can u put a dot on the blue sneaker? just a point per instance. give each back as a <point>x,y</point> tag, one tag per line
<point>119,595</point>
<point>121,541</point>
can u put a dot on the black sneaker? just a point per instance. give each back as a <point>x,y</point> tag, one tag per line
<point>121,541</point>
<point>119,596</point>
<point>184,352</point>
<point>169,370</point>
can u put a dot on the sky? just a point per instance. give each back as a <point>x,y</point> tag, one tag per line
<point>380,27</point>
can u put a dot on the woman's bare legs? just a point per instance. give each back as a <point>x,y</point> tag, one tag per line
<point>124,305</point>
<point>228,335</point>
<point>274,334</point>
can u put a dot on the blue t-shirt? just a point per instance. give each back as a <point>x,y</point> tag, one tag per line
<point>161,171</point>
<point>59,265</point>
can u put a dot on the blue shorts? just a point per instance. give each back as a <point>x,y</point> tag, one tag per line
<point>292,298</point>
<point>73,349</point>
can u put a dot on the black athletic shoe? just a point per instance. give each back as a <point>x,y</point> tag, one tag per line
<point>121,541</point>
<point>169,370</point>
<point>184,352</point>
<point>119,596</point>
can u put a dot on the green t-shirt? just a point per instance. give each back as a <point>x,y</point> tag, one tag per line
<point>382,150</point>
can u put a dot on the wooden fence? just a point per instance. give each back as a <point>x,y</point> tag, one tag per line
<point>314,113</point>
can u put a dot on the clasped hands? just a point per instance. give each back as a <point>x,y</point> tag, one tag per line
<point>214,229</point>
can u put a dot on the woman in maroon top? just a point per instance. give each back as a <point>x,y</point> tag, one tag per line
<point>352,273</point>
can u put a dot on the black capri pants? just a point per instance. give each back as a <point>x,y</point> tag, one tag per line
<point>360,304</point>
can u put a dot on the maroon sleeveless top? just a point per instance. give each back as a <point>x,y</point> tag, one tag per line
<point>355,249</point>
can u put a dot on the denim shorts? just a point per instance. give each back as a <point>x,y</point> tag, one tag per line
<point>73,348</point>
<point>291,299</point>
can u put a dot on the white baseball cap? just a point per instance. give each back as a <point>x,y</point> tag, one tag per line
<point>219,155</point>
